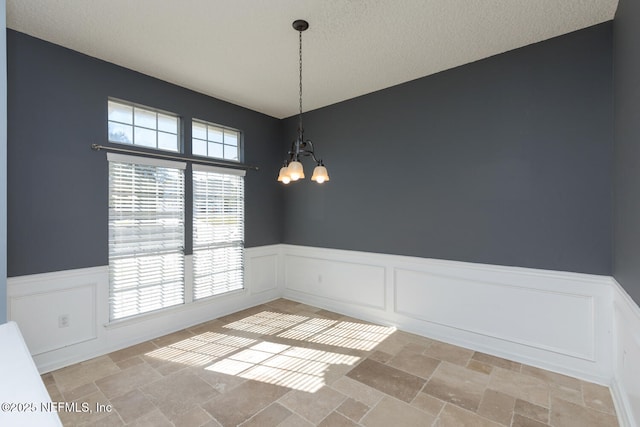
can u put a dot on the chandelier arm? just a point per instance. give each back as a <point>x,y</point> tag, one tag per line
<point>311,152</point>
<point>296,154</point>
<point>314,158</point>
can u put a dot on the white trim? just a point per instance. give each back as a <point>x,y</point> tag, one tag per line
<point>625,386</point>
<point>480,329</point>
<point>23,283</point>
<point>167,311</point>
<point>623,298</point>
<point>568,328</point>
<point>333,278</point>
<point>147,161</point>
<point>89,328</point>
<point>110,337</point>
<point>217,169</point>
<point>613,320</point>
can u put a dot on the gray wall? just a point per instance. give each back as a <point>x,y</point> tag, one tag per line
<point>626,266</point>
<point>3,163</point>
<point>58,186</point>
<point>503,161</point>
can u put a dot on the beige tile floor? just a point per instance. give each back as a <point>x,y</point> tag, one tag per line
<point>290,364</point>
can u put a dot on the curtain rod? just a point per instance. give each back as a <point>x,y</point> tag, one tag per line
<point>233,165</point>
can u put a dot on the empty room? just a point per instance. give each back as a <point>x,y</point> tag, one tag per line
<point>320,213</point>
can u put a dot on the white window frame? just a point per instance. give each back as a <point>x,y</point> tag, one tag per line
<point>157,129</point>
<point>226,257</point>
<point>129,260</point>
<point>209,142</point>
<point>210,244</point>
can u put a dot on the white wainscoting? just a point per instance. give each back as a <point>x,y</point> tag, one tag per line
<point>354,283</point>
<point>72,294</point>
<point>555,320</point>
<point>537,317</point>
<point>576,324</point>
<point>626,347</point>
<point>36,302</point>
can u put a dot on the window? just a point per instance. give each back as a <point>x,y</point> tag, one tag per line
<point>211,140</point>
<point>148,201</point>
<point>218,231</point>
<point>146,234</point>
<point>145,127</point>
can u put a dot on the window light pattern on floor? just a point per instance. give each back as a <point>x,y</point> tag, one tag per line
<point>294,367</point>
<point>281,363</point>
<point>353,335</point>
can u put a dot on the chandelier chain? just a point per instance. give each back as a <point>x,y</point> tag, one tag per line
<point>300,56</point>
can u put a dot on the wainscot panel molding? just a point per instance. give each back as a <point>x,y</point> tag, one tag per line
<point>554,320</point>
<point>346,282</point>
<point>40,303</point>
<point>580,325</point>
<point>536,317</point>
<point>626,347</point>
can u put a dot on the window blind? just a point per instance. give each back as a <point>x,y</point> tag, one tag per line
<point>146,235</point>
<point>218,231</point>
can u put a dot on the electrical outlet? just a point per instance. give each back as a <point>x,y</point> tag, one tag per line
<point>319,278</point>
<point>63,321</point>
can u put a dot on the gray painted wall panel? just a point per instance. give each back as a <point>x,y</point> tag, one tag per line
<point>3,163</point>
<point>626,266</point>
<point>503,161</point>
<point>58,186</point>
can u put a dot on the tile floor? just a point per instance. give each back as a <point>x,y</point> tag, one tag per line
<point>290,364</point>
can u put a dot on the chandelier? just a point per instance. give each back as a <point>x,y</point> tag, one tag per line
<point>292,169</point>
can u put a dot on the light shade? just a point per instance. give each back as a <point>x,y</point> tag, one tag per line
<point>283,176</point>
<point>320,174</point>
<point>295,170</point>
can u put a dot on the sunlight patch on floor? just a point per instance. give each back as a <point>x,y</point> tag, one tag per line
<point>292,366</point>
<point>289,366</point>
<point>307,329</point>
<point>358,336</point>
<point>266,323</point>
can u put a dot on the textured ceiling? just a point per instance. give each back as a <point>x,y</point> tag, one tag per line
<point>245,51</point>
